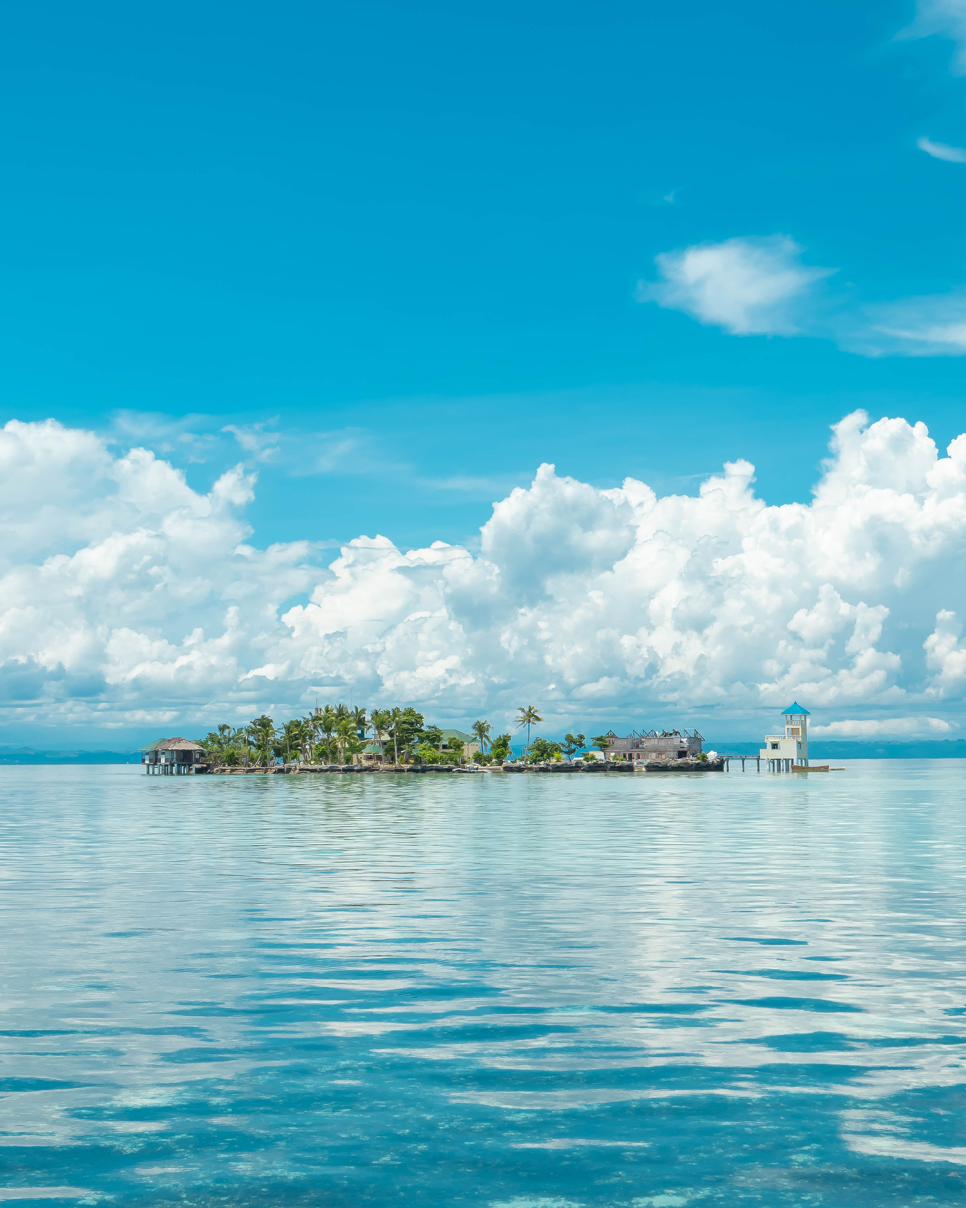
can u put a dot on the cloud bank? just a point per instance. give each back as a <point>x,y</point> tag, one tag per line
<point>127,598</point>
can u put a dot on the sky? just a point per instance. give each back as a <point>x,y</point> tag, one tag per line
<point>296,303</point>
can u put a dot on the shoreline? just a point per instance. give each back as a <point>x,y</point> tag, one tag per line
<point>595,768</point>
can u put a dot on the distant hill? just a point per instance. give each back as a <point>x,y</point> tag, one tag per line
<point>31,755</point>
<point>820,749</point>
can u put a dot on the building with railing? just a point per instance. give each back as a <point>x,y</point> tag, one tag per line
<point>790,748</point>
<point>173,757</point>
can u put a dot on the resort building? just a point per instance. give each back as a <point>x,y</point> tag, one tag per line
<point>789,749</point>
<point>655,746</point>
<point>471,744</point>
<point>172,756</point>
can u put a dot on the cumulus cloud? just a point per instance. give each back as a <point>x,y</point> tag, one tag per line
<point>127,597</point>
<point>748,286</point>
<point>952,155</point>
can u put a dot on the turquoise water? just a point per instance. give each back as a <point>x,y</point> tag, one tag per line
<point>525,992</point>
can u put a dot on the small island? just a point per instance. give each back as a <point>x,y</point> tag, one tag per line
<point>349,740</point>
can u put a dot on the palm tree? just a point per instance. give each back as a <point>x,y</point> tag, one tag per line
<point>380,720</point>
<point>395,718</point>
<point>309,731</point>
<point>291,732</point>
<point>344,734</point>
<point>482,731</point>
<point>262,730</point>
<point>327,724</point>
<point>528,717</point>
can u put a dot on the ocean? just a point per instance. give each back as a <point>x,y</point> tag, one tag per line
<point>520,992</point>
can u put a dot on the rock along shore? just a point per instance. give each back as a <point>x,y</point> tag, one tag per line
<point>597,767</point>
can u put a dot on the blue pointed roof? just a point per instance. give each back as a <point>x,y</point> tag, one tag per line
<point>795,707</point>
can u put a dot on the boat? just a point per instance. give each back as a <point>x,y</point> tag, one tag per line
<point>810,767</point>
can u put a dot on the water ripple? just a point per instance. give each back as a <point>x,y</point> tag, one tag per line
<point>483,990</point>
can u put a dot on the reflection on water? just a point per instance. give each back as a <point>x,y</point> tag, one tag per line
<point>512,991</point>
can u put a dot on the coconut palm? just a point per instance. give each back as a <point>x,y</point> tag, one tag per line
<point>261,732</point>
<point>395,721</point>
<point>528,717</point>
<point>291,734</point>
<point>327,724</point>
<point>360,721</point>
<point>345,732</point>
<point>482,731</point>
<point>380,720</point>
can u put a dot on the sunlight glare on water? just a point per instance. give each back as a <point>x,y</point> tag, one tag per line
<point>525,992</point>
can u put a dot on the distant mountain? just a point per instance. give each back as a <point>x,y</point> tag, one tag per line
<point>10,754</point>
<point>820,749</point>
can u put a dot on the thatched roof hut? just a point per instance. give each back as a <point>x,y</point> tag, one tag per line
<point>172,755</point>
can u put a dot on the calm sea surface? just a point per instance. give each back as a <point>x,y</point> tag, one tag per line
<point>520,992</point>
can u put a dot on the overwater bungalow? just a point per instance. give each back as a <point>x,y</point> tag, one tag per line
<point>173,757</point>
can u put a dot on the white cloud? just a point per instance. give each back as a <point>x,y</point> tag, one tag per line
<point>952,155</point>
<point>885,727</point>
<point>945,656</point>
<point>927,327</point>
<point>127,597</point>
<point>760,287</point>
<point>748,286</point>
<point>946,18</point>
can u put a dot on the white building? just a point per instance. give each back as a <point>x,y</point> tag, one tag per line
<point>783,751</point>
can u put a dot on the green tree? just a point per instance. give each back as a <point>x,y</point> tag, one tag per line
<point>291,736</point>
<point>527,717</point>
<point>543,751</point>
<point>360,721</point>
<point>306,733</point>
<point>392,729</point>
<point>407,729</point>
<point>327,722</point>
<point>353,746</point>
<point>381,722</point>
<point>482,731</point>
<point>427,753</point>
<point>433,735</point>
<point>261,734</point>
<point>500,748</point>
<point>222,744</point>
<point>345,732</point>
<point>574,743</point>
<point>322,750</point>
<point>601,742</point>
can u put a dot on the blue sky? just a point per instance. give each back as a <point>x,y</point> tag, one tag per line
<point>360,270</point>
<point>410,234</point>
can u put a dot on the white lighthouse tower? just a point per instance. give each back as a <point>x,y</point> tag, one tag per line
<point>790,749</point>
